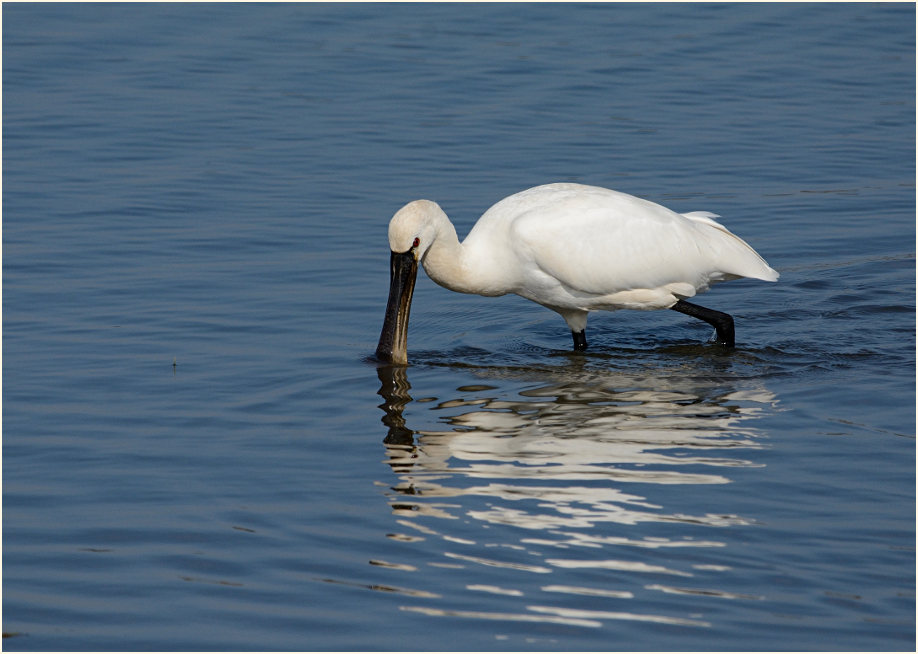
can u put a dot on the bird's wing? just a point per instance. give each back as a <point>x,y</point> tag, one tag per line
<point>608,244</point>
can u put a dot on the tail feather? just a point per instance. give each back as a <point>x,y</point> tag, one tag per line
<point>741,259</point>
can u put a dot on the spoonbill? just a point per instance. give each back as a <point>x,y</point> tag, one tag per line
<point>573,249</point>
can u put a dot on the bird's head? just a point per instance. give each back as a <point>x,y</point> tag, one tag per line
<point>414,227</point>
<point>412,230</point>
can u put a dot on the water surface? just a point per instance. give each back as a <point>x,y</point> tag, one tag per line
<point>200,453</point>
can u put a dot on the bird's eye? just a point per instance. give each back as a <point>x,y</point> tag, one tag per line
<point>416,243</point>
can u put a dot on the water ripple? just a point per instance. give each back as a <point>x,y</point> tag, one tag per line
<point>568,461</point>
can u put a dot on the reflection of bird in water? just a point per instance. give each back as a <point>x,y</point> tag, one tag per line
<point>556,441</point>
<point>573,249</point>
<point>538,485</point>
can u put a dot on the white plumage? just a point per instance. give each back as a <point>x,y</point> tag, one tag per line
<point>574,249</point>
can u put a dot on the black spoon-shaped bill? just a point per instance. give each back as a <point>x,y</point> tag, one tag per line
<point>393,341</point>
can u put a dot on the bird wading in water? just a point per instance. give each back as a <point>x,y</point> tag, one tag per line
<point>573,249</point>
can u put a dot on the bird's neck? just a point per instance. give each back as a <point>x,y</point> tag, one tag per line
<point>463,267</point>
<point>445,260</point>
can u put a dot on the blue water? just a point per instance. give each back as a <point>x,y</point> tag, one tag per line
<point>200,454</point>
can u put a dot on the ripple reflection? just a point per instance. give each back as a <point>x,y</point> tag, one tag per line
<point>560,460</point>
<point>572,432</point>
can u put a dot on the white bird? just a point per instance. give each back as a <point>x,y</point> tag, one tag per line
<point>573,249</point>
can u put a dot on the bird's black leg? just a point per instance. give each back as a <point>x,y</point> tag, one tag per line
<point>580,343</point>
<point>722,322</point>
